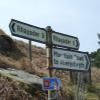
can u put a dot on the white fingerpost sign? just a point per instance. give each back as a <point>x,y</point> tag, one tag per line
<point>74,60</point>
<point>63,40</point>
<point>27,31</point>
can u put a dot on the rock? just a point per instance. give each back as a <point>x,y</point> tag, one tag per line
<point>21,76</point>
<point>6,43</point>
<point>20,85</point>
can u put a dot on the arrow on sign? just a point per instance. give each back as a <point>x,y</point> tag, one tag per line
<point>13,24</point>
<point>72,60</point>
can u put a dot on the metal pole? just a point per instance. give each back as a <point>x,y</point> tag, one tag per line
<point>30,50</point>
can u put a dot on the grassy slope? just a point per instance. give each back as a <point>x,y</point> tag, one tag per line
<point>18,58</point>
<point>94,90</point>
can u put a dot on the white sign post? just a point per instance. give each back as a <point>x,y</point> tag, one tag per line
<point>73,60</point>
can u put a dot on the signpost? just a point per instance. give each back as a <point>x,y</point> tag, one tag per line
<point>57,56</point>
<point>73,60</point>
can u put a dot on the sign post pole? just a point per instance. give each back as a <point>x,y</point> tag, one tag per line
<point>30,51</point>
<point>49,54</point>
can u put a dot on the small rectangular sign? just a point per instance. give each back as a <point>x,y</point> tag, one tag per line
<point>52,83</point>
<point>73,60</point>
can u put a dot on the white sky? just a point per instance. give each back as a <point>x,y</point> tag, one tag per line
<point>80,18</point>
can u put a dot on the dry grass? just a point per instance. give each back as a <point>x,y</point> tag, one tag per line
<point>95,75</point>
<point>19,59</point>
<point>10,90</point>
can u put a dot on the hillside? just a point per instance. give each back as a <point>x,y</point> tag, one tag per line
<point>14,54</point>
<point>17,57</point>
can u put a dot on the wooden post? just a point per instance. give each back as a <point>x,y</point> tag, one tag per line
<point>81,87</point>
<point>71,77</point>
<point>49,54</point>
<point>30,51</point>
<point>90,80</point>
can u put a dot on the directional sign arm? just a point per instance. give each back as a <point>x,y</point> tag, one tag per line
<point>70,59</point>
<point>65,41</point>
<point>27,31</point>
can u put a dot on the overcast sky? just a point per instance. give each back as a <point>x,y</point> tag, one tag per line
<point>80,18</point>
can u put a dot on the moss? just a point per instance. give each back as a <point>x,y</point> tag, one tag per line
<point>92,96</point>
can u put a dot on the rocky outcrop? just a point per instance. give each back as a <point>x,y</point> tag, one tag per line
<point>20,85</point>
<point>6,43</point>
